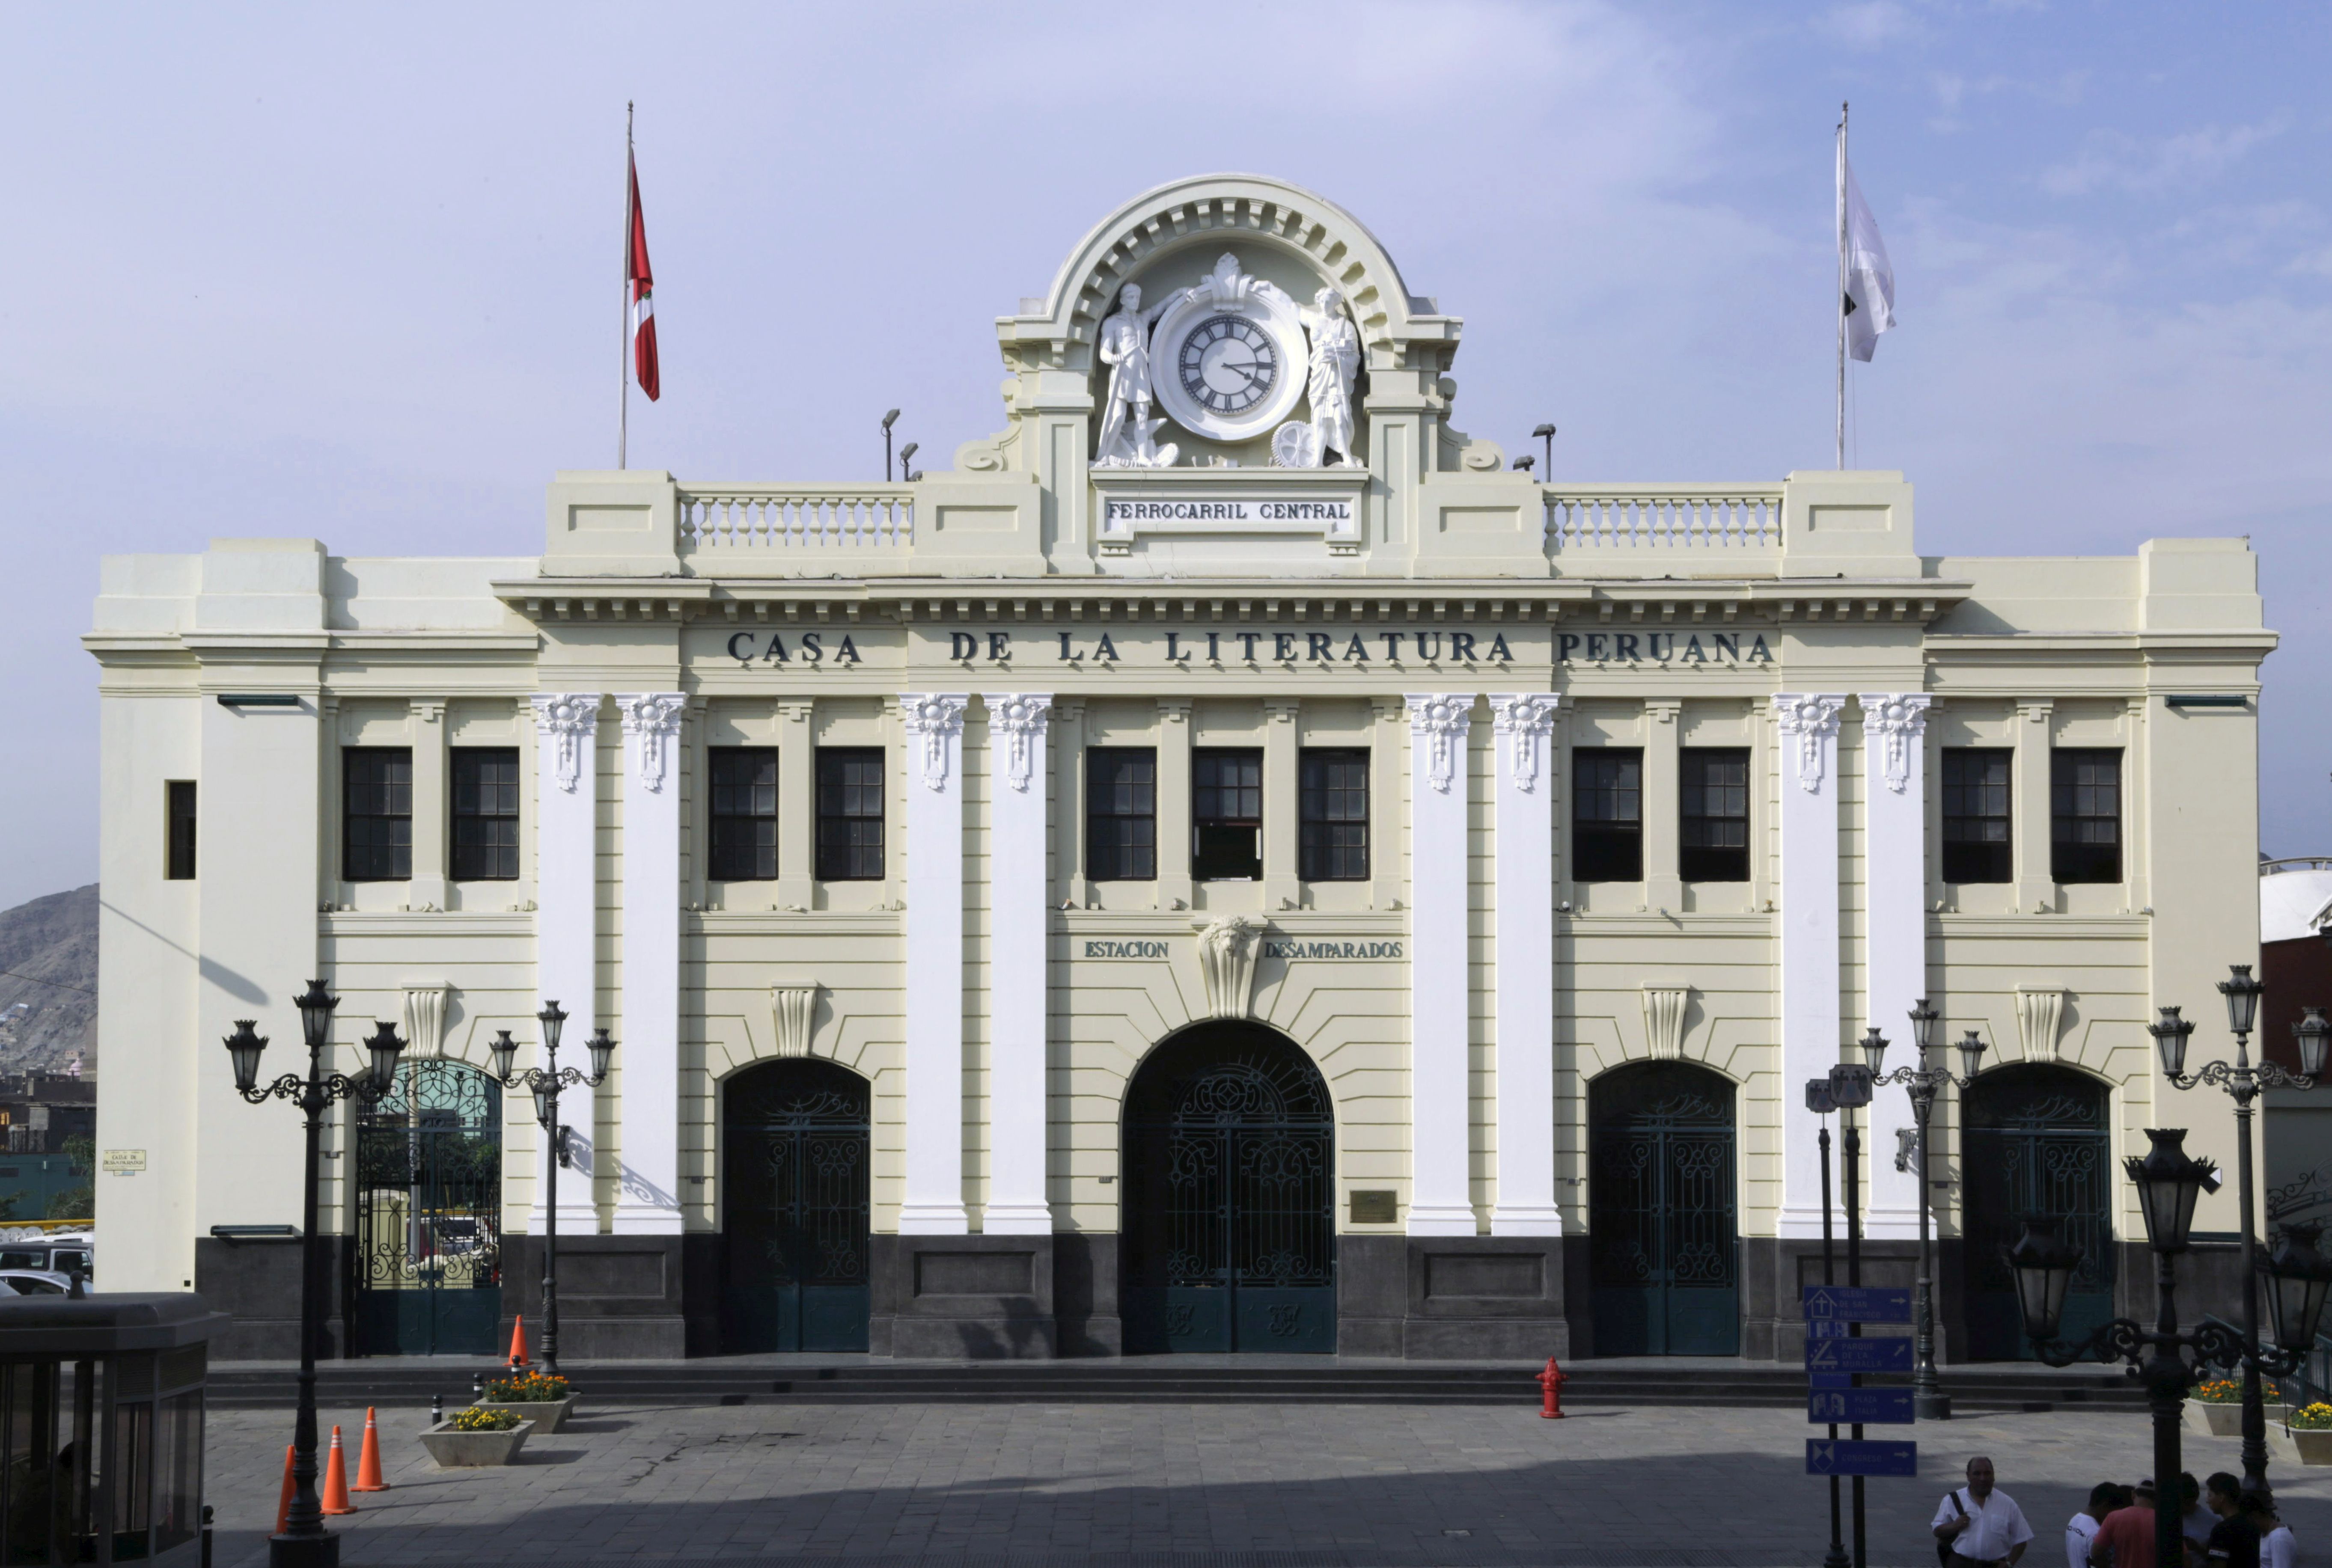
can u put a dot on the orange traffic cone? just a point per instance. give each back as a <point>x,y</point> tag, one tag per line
<point>291,1490</point>
<point>368,1460</point>
<point>336,1480</point>
<point>517,1356</point>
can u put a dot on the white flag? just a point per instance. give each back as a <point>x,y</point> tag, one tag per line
<point>1870,279</point>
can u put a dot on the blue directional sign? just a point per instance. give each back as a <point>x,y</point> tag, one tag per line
<point>1841,1457</point>
<point>1857,1355</point>
<point>1873,1407</point>
<point>1856,1304</point>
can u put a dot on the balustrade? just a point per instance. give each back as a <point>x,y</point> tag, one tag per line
<point>796,517</point>
<point>1695,517</point>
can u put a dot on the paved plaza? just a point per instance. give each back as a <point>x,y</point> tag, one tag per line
<point>1297,1484</point>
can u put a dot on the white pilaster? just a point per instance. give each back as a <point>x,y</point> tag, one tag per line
<point>1441,1199</point>
<point>1895,957</point>
<point>933,1202</point>
<point>647,1058</point>
<point>1016,1119</point>
<point>1524,870</point>
<point>1809,940</point>
<point>566,964</point>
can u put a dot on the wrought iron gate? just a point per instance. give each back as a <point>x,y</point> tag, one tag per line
<point>428,1262</point>
<point>794,1178</point>
<point>1229,1195</point>
<point>1662,1233</point>
<point>2036,1143</point>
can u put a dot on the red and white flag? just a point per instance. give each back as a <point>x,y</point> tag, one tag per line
<point>642,285</point>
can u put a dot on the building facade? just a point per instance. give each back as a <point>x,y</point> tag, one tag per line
<point>1232,864</point>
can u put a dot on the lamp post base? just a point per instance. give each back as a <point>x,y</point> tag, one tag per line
<point>321,1550</point>
<point>1932,1407</point>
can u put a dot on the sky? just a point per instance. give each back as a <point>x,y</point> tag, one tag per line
<point>352,275</point>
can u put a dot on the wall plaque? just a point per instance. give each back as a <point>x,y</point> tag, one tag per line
<point>1375,1207</point>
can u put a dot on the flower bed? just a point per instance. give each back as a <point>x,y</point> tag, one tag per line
<point>537,1397</point>
<point>477,1437</point>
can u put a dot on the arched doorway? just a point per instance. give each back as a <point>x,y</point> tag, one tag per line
<point>1230,1196</point>
<point>795,1137</point>
<point>1663,1238</point>
<point>427,1264</point>
<point>2035,1141</point>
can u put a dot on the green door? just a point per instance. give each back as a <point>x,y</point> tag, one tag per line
<point>427,1261</point>
<point>795,1190</point>
<point>1662,1231</point>
<point>2036,1143</point>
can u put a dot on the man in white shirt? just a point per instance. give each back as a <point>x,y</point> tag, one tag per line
<point>1984,1526</point>
<point>2082,1528</point>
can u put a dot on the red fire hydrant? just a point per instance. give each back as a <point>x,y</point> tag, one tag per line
<point>1551,1379</point>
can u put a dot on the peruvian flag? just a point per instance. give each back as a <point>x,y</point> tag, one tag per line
<point>643,286</point>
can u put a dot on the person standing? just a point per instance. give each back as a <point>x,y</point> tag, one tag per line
<point>2126,1540</point>
<point>2083,1527</point>
<point>1983,1526</point>
<point>2234,1539</point>
<point>2278,1549</point>
<point>2195,1522</point>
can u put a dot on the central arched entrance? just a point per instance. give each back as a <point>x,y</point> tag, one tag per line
<point>1663,1237</point>
<point>1230,1196</point>
<point>794,1194</point>
<point>2037,1143</point>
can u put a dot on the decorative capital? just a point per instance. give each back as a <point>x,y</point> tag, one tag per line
<point>653,721</point>
<point>1527,719</point>
<point>1811,718</point>
<point>1442,720</point>
<point>1019,718</point>
<point>936,718</point>
<point>571,719</point>
<point>1896,720</point>
<point>1227,952</point>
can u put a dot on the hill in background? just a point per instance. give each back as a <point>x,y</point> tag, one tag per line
<point>48,962</point>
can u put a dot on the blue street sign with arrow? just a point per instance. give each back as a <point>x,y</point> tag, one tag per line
<point>1828,1457</point>
<point>1857,1355</point>
<point>1875,1407</point>
<point>1856,1304</point>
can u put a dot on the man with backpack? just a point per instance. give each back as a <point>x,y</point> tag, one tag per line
<point>1978,1526</point>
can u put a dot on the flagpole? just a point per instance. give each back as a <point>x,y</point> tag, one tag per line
<point>624,332</point>
<point>1842,285</point>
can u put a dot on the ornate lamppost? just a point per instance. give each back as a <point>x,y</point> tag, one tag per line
<point>305,1542</point>
<point>2169,1182</point>
<point>545,1081</point>
<point>2244,1081</point>
<point>1928,1401</point>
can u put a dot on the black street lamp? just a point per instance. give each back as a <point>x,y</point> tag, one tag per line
<point>1850,1091</point>
<point>545,1081</point>
<point>2243,1082</point>
<point>1928,1401</point>
<point>305,1542</point>
<point>1546,433</point>
<point>888,420</point>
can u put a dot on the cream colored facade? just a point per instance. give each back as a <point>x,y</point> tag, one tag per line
<point>1469,626</point>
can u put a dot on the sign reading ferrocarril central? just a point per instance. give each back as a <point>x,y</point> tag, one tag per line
<point>1243,510</point>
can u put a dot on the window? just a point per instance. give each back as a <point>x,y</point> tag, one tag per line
<point>1713,842</point>
<point>850,814</point>
<point>485,812</point>
<point>1122,814</point>
<point>745,814</point>
<point>1976,843</point>
<point>1227,814</point>
<point>180,866</point>
<point>377,818</point>
<point>1606,815</point>
<point>1333,845</point>
<point>2085,815</point>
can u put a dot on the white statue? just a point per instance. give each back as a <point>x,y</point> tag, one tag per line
<point>1128,433</point>
<point>1335,359</point>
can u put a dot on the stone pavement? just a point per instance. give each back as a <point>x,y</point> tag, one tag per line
<point>1218,1486</point>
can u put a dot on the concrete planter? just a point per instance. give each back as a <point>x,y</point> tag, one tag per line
<point>2217,1421</point>
<point>549,1415</point>
<point>2307,1448</point>
<point>455,1450</point>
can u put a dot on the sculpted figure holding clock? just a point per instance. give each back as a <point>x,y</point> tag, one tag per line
<point>1126,427</point>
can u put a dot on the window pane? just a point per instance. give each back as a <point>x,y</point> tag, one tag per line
<point>743,841</point>
<point>1122,814</point>
<point>1607,803</point>
<point>1714,842</point>
<point>849,814</point>
<point>1227,814</point>
<point>1333,844</point>
<point>2085,815</point>
<point>377,814</point>
<point>180,851</point>
<point>1977,846</point>
<point>485,812</point>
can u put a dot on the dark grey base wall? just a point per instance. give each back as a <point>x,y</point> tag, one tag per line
<point>1084,1293</point>
<point>620,1298</point>
<point>1455,1298</point>
<point>985,1298</point>
<point>257,1284</point>
<point>1774,1271</point>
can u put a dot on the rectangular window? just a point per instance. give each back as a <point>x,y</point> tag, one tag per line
<point>1606,815</point>
<point>485,812</point>
<point>850,814</point>
<point>180,834</point>
<point>1976,787</point>
<point>744,814</point>
<point>1122,814</point>
<point>2085,815</point>
<point>1227,814</point>
<point>1713,842</point>
<point>377,814</point>
<point>1333,789</point>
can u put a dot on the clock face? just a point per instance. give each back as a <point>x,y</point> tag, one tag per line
<point>1227,365</point>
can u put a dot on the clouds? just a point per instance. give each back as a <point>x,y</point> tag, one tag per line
<point>2115,161</point>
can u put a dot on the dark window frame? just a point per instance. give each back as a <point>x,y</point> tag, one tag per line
<point>1226,803</point>
<point>850,845</point>
<point>484,815</point>
<point>1607,814</point>
<point>373,848</point>
<point>741,845</point>
<point>1331,840</point>
<point>181,830</point>
<point>1121,813</point>
<point>1978,845</point>
<point>1713,815</point>
<point>2084,841</point>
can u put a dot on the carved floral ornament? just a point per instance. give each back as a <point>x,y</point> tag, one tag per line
<point>653,721</point>
<point>1813,719</point>
<point>934,719</point>
<point>1227,963</point>
<point>570,719</point>
<point>1897,721</point>
<point>1441,722</point>
<point>1527,719</point>
<point>1019,717</point>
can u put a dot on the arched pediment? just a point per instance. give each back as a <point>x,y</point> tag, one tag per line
<point>1206,211</point>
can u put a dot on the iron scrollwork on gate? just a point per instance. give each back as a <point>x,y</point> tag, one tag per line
<point>428,1208</point>
<point>1661,1206</point>
<point>2036,1144</point>
<point>807,1149</point>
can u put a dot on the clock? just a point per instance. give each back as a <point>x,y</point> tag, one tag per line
<point>1228,364</point>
